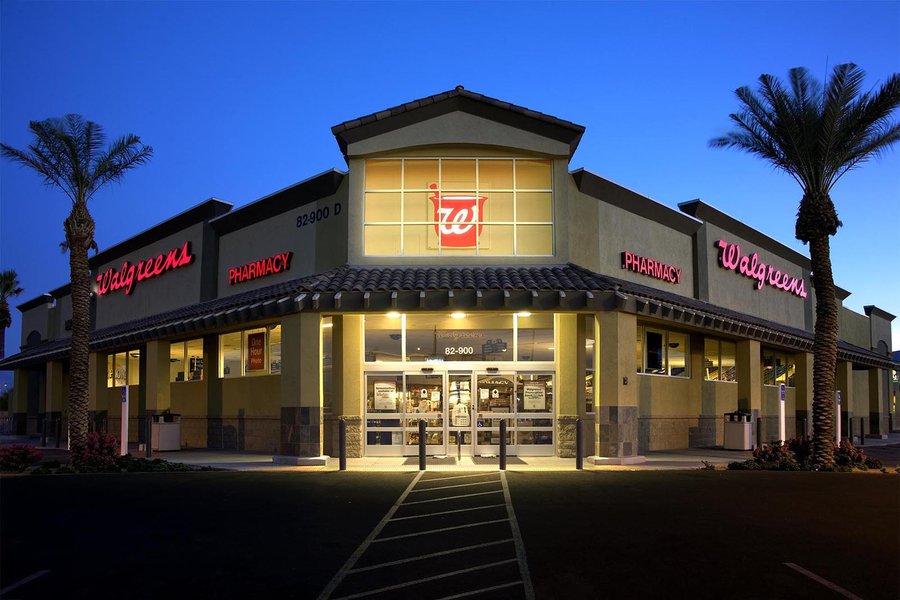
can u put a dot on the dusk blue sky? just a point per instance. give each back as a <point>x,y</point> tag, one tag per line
<point>237,100</point>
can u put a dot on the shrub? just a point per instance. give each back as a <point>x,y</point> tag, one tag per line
<point>18,457</point>
<point>796,455</point>
<point>99,454</point>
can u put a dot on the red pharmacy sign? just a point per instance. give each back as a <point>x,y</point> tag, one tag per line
<point>457,218</point>
<point>260,268</point>
<point>128,275</point>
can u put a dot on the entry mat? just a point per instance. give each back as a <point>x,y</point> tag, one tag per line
<point>431,460</point>
<point>485,460</point>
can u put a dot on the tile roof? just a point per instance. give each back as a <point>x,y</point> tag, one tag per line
<point>291,296</point>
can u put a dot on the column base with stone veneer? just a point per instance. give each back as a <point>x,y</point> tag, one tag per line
<point>301,437</point>
<point>618,443</point>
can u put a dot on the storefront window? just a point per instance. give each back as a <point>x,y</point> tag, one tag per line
<point>535,336</point>
<point>122,368</point>
<point>589,348</point>
<point>662,352</point>
<point>459,336</point>
<point>778,368</point>
<point>250,352</point>
<point>186,361</point>
<point>327,362</point>
<point>458,207</point>
<point>719,360</point>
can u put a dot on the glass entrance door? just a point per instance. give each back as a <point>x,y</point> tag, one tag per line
<point>495,401</point>
<point>424,399</point>
<point>460,409</point>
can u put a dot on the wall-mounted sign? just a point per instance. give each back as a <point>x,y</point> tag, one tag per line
<point>650,267</point>
<point>256,351</point>
<point>127,277</point>
<point>749,265</point>
<point>260,268</point>
<point>457,219</point>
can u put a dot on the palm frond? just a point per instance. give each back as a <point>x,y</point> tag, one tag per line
<point>124,154</point>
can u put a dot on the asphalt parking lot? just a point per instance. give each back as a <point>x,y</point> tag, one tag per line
<point>698,534</point>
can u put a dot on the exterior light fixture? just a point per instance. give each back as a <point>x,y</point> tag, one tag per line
<point>326,325</point>
<point>524,313</point>
<point>393,315</point>
<point>458,315</point>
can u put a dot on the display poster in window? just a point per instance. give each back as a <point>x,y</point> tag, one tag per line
<point>385,395</point>
<point>534,395</point>
<point>256,351</point>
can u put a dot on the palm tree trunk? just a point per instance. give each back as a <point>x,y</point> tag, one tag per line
<point>824,352</point>
<point>79,236</point>
<point>2,342</point>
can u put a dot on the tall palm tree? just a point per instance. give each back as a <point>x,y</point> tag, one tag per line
<point>9,287</point>
<point>817,134</point>
<point>69,153</point>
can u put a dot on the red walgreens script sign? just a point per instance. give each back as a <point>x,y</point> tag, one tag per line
<point>128,276</point>
<point>457,218</point>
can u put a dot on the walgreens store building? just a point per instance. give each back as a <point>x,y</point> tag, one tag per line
<point>459,273</point>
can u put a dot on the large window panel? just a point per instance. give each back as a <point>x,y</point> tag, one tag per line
<point>275,349</point>
<point>495,174</point>
<point>534,240</point>
<point>469,337</point>
<point>384,335</point>
<point>382,240</point>
<point>533,174</point>
<point>383,207</point>
<point>457,174</point>
<point>534,206</point>
<point>134,367</point>
<point>497,240</point>
<point>536,337</point>
<point>230,353</point>
<point>420,174</point>
<point>383,174</point>
<point>678,354</point>
<point>177,363</point>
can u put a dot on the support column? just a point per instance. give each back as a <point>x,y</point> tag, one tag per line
<point>803,380</point>
<point>55,395</point>
<point>97,390</point>
<point>570,365</point>
<point>156,377</point>
<point>301,391</point>
<point>749,379</point>
<point>877,418</point>
<point>615,390</point>
<point>843,381</point>
<point>347,373</point>
<point>18,402</point>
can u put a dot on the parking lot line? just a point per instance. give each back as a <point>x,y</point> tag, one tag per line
<point>447,512</point>
<point>501,586</point>
<point>456,485</point>
<point>426,556</point>
<point>23,581</point>
<point>426,579</point>
<point>339,576</point>
<point>832,586</point>
<point>454,497</point>
<point>517,535</point>
<point>439,478</point>
<point>441,530</point>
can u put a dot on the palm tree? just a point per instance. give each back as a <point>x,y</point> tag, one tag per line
<point>9,287</point>
<point>817,134</point>
<point>69,153</point>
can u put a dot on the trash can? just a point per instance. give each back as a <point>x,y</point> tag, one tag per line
<point>738,431</point>
<point>165,432</point>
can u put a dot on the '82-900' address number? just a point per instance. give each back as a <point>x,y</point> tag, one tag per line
<point>317,215</point>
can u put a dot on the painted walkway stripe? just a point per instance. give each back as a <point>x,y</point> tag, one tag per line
<point>447,512</point>
<point>457,485</point>
<point>482,590</point>
<point>441,530</point>
<point>432,555</point>
<point>22,582</point>
<point>823,581</point>
<point>454,497</point>
<point>339,576</point>
<point>430,479</point>
<point>427,579</point>
<point>520,545</point>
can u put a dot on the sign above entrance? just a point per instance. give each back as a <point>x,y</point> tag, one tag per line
<point>127,277</point>
<point>749,265</point>
<point>260,268</point>
<point>650,267</point>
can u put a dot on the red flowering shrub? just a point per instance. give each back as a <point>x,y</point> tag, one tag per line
<point>100,453</point>
<point>796,455</point>
<point>18,457</point>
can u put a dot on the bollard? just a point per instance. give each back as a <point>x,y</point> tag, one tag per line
<point>106,425</point>
<point>890,422</point>
<point>342,444</point>
<point>58,430</point>
<point>850,429</point>
<point>421,444</point>
<point>502,444</point>
<point>579,459</point>
<point>459,435</point>
<point>803,432</point>
<point>148,435</point>
<point>44,427</point>
<point>862,431</point>
<point>759,434</point>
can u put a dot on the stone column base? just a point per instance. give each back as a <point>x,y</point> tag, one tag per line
<point>565,436</point>
<point>617,432</point>
<point>301,431</point>
<point>354,436</point>
<point>616,460</point>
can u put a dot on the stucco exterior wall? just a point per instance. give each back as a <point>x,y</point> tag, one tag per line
<point>36,319</point>
<point>317,245</point>
<point>859,402</point>
<point>730,289</point>
<point>854,328</point>
<point>169,290</point>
